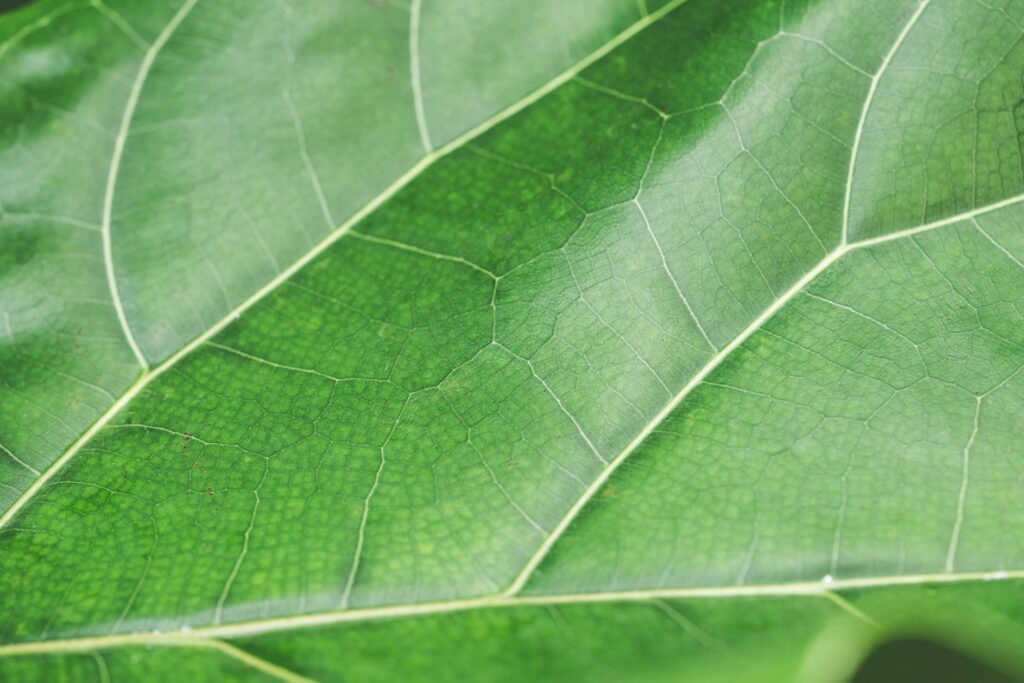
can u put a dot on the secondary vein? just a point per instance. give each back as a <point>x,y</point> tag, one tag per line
<point>872,88</point>
<point>115,165</point>
<point>412,173</point>
<point>414,72</point>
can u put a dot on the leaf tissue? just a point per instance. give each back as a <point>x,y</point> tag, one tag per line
<point>448,340</point>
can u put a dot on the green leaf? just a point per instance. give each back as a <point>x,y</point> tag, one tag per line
<point>499,341</point>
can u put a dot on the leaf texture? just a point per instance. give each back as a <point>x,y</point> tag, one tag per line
<point>361,343</point>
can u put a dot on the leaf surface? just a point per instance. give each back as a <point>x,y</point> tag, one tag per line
<point>700,356</point>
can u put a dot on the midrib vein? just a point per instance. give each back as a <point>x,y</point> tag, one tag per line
<point>115,165</point>
<point>205,636</point>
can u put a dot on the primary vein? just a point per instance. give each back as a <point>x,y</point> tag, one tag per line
<point>826,588</point>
